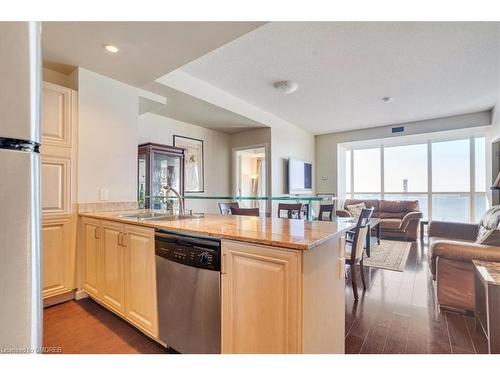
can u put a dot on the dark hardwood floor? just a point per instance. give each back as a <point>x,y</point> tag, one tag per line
<point>398,314</point>
<point>87,328</point>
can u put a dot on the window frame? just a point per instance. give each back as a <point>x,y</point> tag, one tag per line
<point>472,193</point>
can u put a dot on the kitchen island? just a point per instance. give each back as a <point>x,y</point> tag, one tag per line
<point>282,280</point>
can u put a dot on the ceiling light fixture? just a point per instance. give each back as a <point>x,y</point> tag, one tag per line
<point>286,87</point>
<point>111,48</point>
<point>387,99</point>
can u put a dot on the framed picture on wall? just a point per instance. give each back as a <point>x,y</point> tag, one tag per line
<point>194,168</point>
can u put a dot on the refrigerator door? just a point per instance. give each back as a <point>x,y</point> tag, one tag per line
<point>20,281</point>
<point>20,72</point>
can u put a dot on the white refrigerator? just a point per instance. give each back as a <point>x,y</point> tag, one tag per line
<point>20,270</point>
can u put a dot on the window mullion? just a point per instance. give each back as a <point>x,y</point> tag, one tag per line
<point>472,188</point>
<point>429,179</point>
<point>382,173</point>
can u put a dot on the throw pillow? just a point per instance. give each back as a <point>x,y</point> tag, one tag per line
<point>488,224</point>
<point>355,209</point>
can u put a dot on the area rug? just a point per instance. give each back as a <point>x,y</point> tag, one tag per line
<point>389,255</point>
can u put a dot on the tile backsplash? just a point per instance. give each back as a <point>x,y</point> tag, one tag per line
<point>107,206</point>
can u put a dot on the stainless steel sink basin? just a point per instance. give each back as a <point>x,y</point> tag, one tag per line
<point>176,217</point>
<point>158,216</point>
<point>141,215</point>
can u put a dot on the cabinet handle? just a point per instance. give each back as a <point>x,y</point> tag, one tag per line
<point>96,233</point>
<point>123,239</point>
<point>120,239</point>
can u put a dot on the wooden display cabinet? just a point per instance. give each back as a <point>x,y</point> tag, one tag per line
<point>157,166</point>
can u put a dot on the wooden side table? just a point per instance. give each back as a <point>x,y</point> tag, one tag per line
<point>487,289</point>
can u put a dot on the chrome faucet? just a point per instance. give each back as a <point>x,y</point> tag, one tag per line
<point>169,189</point>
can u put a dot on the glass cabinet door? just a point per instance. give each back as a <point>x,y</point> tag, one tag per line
<point>166,170</point>
<point>142,172</point>
<point>158,166</point>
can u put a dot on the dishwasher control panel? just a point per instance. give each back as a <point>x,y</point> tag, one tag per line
<point>191,251</point>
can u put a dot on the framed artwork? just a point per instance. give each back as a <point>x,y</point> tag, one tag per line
<point>193,168</point>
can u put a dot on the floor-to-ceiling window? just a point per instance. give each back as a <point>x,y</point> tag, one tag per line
<point>405,174</point>
<point>451,183</point>
<point>367,173</point>
<point>447,177</point>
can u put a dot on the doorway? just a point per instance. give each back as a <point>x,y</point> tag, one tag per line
<point>251,176</point>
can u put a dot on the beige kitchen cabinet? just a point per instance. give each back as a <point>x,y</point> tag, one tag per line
<point>112,266</point>
<point>58,192</point>
<point>140,281</point>
<point>91,267</point>
<point>119,270</point>
<point>281,301</point>
<point>58,261</point>
<point>261,299</point>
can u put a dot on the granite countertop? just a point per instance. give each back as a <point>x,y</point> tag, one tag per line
<point>286,233</point>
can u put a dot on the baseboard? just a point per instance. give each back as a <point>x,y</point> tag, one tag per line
<point>60,298</point>
<point>80,294</point>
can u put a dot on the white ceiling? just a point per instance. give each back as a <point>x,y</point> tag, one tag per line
<point>186,108</point>
<point>148,50</point>
<point>344,69</point>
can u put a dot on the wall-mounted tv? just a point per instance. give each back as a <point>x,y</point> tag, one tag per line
<point>299,176</point>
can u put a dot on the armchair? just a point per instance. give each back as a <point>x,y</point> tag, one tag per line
<point>452,247</point>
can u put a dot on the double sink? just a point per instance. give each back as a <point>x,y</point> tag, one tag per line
<point>158,216</point>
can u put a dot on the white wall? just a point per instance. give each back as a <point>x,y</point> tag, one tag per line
<point>107,139</point>
<point>217,151</point>
<point>287,140</point>
<point>326,145</point>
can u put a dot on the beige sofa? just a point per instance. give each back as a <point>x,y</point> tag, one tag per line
<point>452,247</point>
<point>398,219</point>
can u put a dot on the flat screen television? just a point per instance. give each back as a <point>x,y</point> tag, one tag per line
<point>299,176</point>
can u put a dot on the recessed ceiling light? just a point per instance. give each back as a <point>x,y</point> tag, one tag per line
<point>111,48</point>
<point>286,87</point>
<point>387,99</point>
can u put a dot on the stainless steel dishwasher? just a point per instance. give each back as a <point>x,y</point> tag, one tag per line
<point>188,292</point>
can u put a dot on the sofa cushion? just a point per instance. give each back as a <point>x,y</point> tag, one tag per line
<point>392,215</point>
<point>398,206</point>
<point>369,203</point>
<point>355,209</point>
<point>390,224</point>
<point>488,224</point>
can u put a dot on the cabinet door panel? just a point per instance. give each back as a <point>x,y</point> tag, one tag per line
<point>261,293</point>
<point>56,185</point>
<point>53,258</point>
<point>91,257</point>
<point>58,256</point>
<point>140,282</point>
<point>56,115</point>
<point>112,256</point>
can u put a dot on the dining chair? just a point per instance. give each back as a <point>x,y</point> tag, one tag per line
<point>293,210</point>
<point>328,209</point>
<point>244,211</point>
<point>225,208</point>
<point>355,246</point>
